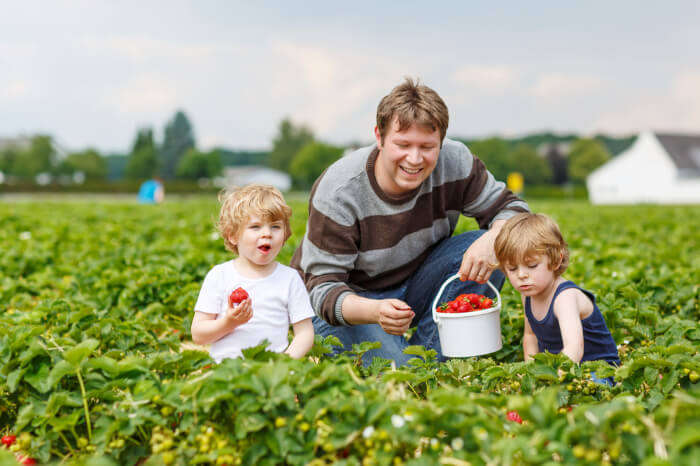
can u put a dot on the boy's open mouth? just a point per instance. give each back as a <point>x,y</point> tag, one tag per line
<point>264,247</point>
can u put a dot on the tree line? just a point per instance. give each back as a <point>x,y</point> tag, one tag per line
<point>542,159</point>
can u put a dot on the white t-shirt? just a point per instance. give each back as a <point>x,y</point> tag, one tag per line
<point>280,299</point>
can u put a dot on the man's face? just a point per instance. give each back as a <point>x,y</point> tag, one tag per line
<point>406,158</point>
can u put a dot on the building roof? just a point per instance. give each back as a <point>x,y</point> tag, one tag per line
<point>684,150</point>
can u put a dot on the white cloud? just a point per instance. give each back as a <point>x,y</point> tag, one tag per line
<point>146,94</point>
<point>142,48</point>
<point>331,84</point>
<point>562,85</point>
<point>490,79</point>
<point>678,109</point>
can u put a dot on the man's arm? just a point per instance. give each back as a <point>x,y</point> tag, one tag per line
<point>491,206</point>
<point>393,315</point>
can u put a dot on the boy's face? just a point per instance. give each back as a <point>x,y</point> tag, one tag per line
<point>532,277</point>
<point>260,240</point>
<point>406,158</point>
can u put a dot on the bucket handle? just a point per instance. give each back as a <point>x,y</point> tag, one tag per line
<point>442,288</point>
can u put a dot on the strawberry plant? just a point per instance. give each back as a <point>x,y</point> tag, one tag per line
<point>97,366</point>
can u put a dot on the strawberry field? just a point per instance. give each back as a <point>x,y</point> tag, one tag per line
<point>96,364</point>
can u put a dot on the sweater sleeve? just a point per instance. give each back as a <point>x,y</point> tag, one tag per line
<point>327,254</point>
<point>487,199</point>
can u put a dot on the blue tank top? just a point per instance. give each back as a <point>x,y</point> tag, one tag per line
<point>598,343</point>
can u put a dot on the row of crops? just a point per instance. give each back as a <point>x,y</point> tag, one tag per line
<point>96,365</point>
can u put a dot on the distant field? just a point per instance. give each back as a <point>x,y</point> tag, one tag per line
<point>97,296</point>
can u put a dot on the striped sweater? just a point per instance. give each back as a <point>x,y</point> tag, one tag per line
<point>359,238</point>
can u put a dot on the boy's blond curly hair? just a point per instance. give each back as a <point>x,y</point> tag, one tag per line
<point>254,199</point>
<point>525,235</point>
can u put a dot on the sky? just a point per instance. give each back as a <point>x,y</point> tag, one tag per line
<point>91,73</point>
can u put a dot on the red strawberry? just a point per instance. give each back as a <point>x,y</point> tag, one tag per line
<point>486,303</point>
<point>474,298</point>
<point>8,440</point>
<point>238,295</point>
<point>24,459</point>
<point>464,307</point>
<point>514,416</point>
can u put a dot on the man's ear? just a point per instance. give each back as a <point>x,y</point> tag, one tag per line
<point>378,136</point>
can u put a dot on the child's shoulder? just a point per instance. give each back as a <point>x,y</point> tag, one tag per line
<point>222,268</point>
<point>286,271</point>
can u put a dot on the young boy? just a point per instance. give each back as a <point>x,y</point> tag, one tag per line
<point>560,316</point>
<point>254,223</point>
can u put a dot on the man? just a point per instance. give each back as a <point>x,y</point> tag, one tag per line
<point>378,241</point>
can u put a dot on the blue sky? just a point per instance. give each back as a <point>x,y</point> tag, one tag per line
<point>92,72</point>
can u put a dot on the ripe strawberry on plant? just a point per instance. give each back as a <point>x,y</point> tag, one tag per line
<point>237,296</point>
<point>514,416</point>
<point>8,440</point>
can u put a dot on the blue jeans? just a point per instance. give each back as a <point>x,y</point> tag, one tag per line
<point>418,291</point>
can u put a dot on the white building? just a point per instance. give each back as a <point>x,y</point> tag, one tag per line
<point>243,175</point>
<point>658,168</point>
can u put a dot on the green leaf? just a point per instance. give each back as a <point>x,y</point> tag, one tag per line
<point>76,355</point>
<point>58,371</point>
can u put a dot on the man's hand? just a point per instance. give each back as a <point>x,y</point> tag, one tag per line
<point>480,260</point>
<point>240,313</point>
<point>394,316</point>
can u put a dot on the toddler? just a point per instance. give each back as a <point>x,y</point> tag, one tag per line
<point>254,223</point>
<point>561,317</point>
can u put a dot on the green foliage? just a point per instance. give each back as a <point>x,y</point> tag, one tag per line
<point>534,168</point>
<point>287,143</point>
<point>495,154</point>
<point>38,158</point>
<point>178,139</point>
<point>142,162</point>
<point>97,367</point>
<point>311,161</point>
<point>195,165</point>
<point>585,156</point>
<point>89,162</point>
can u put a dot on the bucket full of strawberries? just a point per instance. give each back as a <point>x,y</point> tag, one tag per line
<point>470,324</point>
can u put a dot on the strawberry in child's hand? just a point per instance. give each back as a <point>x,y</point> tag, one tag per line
<point>237,296</point>
<point>8,440</point>
<point>514,416</point>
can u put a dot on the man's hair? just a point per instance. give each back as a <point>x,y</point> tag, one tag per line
<point>412,103</point>
<point>525,235</point>
<point>238,205</point>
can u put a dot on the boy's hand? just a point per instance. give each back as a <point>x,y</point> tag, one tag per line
<point>240,313</point>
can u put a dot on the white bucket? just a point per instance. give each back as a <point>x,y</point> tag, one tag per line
<point>469,333</point>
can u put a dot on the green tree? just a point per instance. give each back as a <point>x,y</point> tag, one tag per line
<point>311,161</point>
<point>142,162</point>
<point>89,161</point>
<point>527,162</point>
<point>495,154</point>
<point>287,143</point>
<point>7,159</point>
<point>195,165</point>
<point>38,158</point>
<point>178,139</point>
<point>585,156</point>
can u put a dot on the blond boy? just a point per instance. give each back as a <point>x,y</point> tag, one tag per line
<point>254,223</point>
<point>561,317</point>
